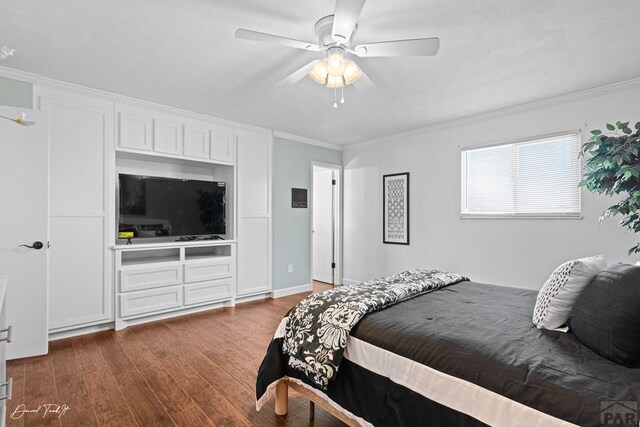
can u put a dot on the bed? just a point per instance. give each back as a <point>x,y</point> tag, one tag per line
<point>463,355</point>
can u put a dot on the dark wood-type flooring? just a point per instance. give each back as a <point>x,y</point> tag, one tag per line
<point>196,370</point>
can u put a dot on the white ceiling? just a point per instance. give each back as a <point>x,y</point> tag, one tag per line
<point>494,54</point>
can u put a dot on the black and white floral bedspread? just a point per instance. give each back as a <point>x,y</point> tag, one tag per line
<point>316,330</point>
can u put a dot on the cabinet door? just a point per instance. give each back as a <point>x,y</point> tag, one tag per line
<point>81,217</point>
<point>254,155</point>
<point>167,137</point>
<point>196,142</point>
<point>222,144</point>
<point>134,131</point>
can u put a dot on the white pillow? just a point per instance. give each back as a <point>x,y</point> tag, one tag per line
<point>560,292</point>
<point>638,263</point>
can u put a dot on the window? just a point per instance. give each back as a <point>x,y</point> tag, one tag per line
<point>534,178</point>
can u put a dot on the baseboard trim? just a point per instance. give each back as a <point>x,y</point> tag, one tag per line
<point>253,297</point>
<point>350,281</point>
<point>279,293</point>
<point>53,336</point>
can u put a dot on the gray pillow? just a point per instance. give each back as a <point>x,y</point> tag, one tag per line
<point>606,316</point>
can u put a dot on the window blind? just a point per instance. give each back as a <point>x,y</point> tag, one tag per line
<point>537,177</point>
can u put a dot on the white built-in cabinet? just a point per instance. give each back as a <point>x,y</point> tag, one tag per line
<point>159,280</point>
<point>96,281</point>
<point>144,130</point>
<point>167,136</point>
<point>135,129</point>
<point>81,209</point>
<point>254,156</point>
<point>222,147</point>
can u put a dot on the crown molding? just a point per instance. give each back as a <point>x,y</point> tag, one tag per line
<point>306,140</point>
<point>19,75</point>
<point>46,83</point>
<point>40,82</point>
<point>509,111</point>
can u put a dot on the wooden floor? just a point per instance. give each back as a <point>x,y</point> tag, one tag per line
<point>197,370</point>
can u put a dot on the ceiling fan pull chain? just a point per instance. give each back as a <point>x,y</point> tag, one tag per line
<point>335,97</point>
<point>342,99</point>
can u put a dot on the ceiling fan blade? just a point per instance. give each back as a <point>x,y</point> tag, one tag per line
<point>345,19</point>
<point>413,47</point>
<point>297,75</point>
<point>257,36</point>
<point>364,84</point>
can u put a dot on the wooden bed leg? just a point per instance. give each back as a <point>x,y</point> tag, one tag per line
<point>312,410</point>
<point>282,398</point>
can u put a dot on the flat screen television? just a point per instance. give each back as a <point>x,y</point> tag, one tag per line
<point>156,207</point>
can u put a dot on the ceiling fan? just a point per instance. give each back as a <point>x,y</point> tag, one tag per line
<point>335,36</point>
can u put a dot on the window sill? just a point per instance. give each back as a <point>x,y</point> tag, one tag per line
<point>523,216</point>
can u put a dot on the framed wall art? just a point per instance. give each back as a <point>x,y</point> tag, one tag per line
<point>395,216</point>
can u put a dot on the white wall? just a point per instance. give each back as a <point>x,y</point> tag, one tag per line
<point>511,252</point>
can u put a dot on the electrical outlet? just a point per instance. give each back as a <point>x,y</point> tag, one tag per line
<point>290,268</point>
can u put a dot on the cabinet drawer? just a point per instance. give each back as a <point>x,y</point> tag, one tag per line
<point>207,291</point>
<point>151,300</point>
<point>134,278</point>
<point>210,269</point>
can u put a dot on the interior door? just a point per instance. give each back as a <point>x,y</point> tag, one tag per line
<point>24,172</point>
<point>323,225</point>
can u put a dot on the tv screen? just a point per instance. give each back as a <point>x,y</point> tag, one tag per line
<point>152,207</point>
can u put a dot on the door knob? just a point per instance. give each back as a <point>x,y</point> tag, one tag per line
<point>36,245</point>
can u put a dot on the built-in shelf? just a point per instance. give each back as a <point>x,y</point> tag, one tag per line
<point>192,243</point>
<point>171,159</point>
<point>155,279</point>
<point>200,252</point>
<point>150,256</point>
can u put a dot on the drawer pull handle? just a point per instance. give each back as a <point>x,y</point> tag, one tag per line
<point>8,389</point>
<point>9,331</point>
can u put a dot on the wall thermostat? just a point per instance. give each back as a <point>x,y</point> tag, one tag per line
<point>298,197</point>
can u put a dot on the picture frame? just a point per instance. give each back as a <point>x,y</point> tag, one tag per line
<point>395,208</point>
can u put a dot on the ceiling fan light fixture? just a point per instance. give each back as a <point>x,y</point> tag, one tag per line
<point>319,72</point>
<point>351,72</point>
<point>336,63</point>
<point>334,82</point>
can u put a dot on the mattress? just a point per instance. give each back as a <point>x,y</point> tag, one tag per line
<point>467,354</point>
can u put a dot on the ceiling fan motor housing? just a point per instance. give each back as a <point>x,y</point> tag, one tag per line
<point>323,29</point>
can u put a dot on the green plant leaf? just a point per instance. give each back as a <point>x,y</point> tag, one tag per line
<point>621,125</point>
<point>612,168</point>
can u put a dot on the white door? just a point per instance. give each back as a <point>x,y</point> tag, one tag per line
<point>323,225</point>
<point>24,174</point>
